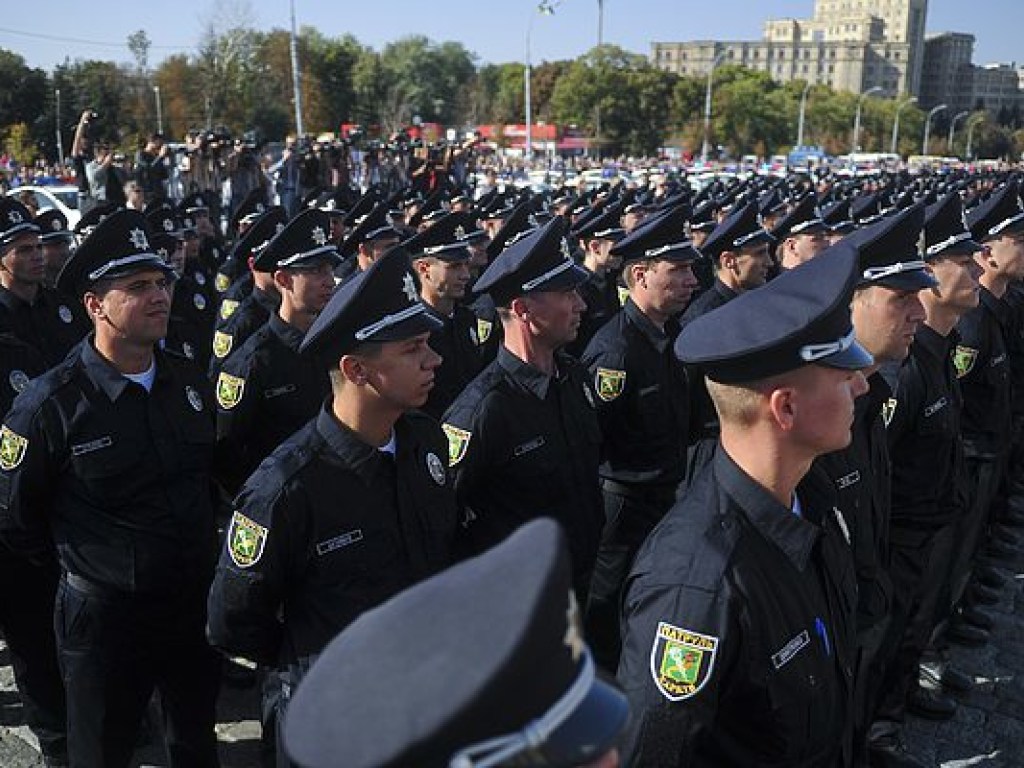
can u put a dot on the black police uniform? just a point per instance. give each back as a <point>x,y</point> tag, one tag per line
<point>51,324</point>
<point>119,478</point>
<point>458,344</point>
<point>601,295</point>
<point>249,316</point>
<point>26,612</point>
<point>190,325</point>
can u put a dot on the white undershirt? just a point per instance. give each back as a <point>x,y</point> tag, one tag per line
<point>796,509</point>
<point>390,446</point>
<point>146,378</point>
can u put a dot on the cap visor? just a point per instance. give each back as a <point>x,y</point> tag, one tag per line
<point>853,358</point>
<point>911,280</point>
<point>564,281</point>
<point>590,731</point>
<point>422,322</point>
<point>963,248</point>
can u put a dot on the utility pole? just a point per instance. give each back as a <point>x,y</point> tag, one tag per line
<point>299,130</point>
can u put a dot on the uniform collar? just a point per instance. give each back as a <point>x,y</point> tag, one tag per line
<point>362,458</point>
<point>269,301</point>
<point>289,334</point>
<point>723,289</point>
<point>658,338</point>
<point>997,307</point>
<point>795,536</point>
<point>107,377</point>
<point>928,339</point>
<point>532,379</point>
<point>12,301</point>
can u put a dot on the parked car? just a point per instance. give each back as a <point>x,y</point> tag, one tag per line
<point>64,198</point>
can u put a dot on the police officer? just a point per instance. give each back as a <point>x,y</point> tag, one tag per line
<point>57,240</point>
<point>801,235</point>
<point>524,441</point>
<point>37,315</point>
<point>738,615</point>
<point>265,389</point>
<point>643,409</point>
<point>237,322</point>
<point>600,293</point>
<point>353,507</point>
<point>372,236</point>
<point>923,430</point>
<point>440,260</point>
<point>108,455</point>
<point>490,681</point>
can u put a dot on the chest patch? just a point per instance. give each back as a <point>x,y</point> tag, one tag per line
<point>12,448</point>
<point>227,308</point>
<point>783,656</point>
<point>222,343</point>
<point>681,661</point>
<point>483,330</point>
<point>964,359</point>
<point>889,410</point>
<point>339,542</point>
<point>458,442</point>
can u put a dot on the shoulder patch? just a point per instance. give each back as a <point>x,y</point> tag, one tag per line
<point>609,383</point>
<point>229,390</point>
<point>227,308</point>
<point>458,442</point>
<point>222,343</point>
<point>889,410</point>
<point>681,661</point>
<point>12,448</point>
<point>246,540</point>
<point>964,359</point>
<point>623,294</point>
<point>221,282</point>
<point>483,330</point>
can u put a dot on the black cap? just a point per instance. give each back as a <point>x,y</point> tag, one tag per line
<point>517,222</point>
<point>502,669</point>
<point>800,317</point>
<point>91,218</point>
<point>193,203</point>
<point>804,219</point>
<point>1001,214</point>
<point>865,209</point>
<point>945,229</point>
<point>539,261</point>
<point>606,226</point>
<point>120,245</point>
<point>836,215</point>
<point>374,226</point>
<point>890,252</point>
<point>702,219</point>
<point>15,221</point>
<point>740,229</point>
<point>259,234</point>
<point>362,206</point>
<point>161,219</point>
<point>380,303</point>
<point>252,205</point>
<point>445,240</point>
<point>661,237</point>
<point>53,226</point>
<point>304,241</point>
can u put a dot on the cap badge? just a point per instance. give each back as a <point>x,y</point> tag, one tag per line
<point>14,217</point>
<point>409,287</point>
<point>168,225</point>
<point>460,232</point>
<point>137,237</point>
<point>319,236</point>
<point>279,228</point>
<point>260,207</point>
<point>565,249</point>
<point>55,225</point>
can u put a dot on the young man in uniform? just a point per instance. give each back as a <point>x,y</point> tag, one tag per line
<point>108,455</point>
<point>356,505</point>
<point>738,616</point>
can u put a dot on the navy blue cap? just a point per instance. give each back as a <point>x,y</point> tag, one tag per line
<point>1001,214</point>
<point>890,252</point>
<point>374,226</point>
<point>804,219</point>
<point>702,219</point>
<point>865,209</point>
<point>605,226</point>
<point>380,303</point>
<point>539,261</point>
<point>517,222</point>
<point>662,237</point>
<point>362,206</point>
<point>740,229</point>
<point>836,215</point>
<point>502,674</point>
<point>120,245</point>
<point>445,239</point>
<point>259,234</point>
<point>91,218</point>
<point>800,317</point>
<point>194,202</point>
<point>252,205</point>
<point>53,226</point>
<point>15,221</point>
<point>161,219</point>
<point>771,202</point>
<point>945,229</point>
<point>304,241</point>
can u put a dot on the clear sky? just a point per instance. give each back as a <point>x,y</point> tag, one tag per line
<point>47,31</point>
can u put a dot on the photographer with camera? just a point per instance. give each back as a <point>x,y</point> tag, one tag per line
<point>81,153</point>
<point>151,170</point>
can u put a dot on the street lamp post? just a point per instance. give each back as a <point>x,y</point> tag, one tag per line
<point>546,8</point>
<point>971,124</point>
<point>952,129</point>
<point>60,140</point>
<point>159,111</point>
<point>803,111</point>
<point>293,52</point>
<point>928,126</point>
<point>896,123</point>
<point>706,147</point>
<point>856,119</point>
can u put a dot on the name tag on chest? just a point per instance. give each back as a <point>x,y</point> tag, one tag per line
<point>93,445</point>
<point>529,445</point>
<point>782,657</point>
<point>278,391</point>
<point>339,542</point>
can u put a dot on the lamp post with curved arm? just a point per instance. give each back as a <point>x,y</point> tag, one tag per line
<point>928,126</point>
<point>952,129</point>
<point>896,123</point>
<point>545,8</point>
<point>856,119</point>
<point>803,111</point>
<point>706,147</point>
<point>971,125</point>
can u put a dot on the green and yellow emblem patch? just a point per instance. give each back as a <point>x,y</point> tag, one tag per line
<point>889,410</point>
<point>246,540</point>
<point>12,448</point>
<point>623,295</point>
<point>609,383</point>
<point>964,359</point>
<point>483,330</point>
<point>227,308</point>
<point>229,390</point>
<point>681,661</point>
<point>222,343</point>
<point>458,442</point>
<point>221,282</point>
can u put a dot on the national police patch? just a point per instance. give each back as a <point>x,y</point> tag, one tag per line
<point>964,359</point>
<point>681,661</point>
<point>458,442</point>
<point>623,295</point>
<point>222,343</point>
<point>221,282</point>
<point>229,390</point>
<point>246,540</point>
<point>609,383</point>
<point>227,308</point>
<point>12,448</point>
<point>483,330</point>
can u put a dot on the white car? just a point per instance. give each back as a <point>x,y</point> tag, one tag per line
<point>63,198</point>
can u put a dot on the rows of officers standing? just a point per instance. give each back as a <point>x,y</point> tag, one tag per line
<point>778,420</point>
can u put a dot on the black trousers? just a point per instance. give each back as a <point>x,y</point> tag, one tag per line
<point>115,650</point>
<point>983,476</point>
<point>630,515</point>
<point>26,620</point>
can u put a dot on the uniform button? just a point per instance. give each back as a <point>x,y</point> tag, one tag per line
<point>812,680</point>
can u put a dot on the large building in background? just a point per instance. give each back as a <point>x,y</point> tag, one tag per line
<point>850,45</point>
